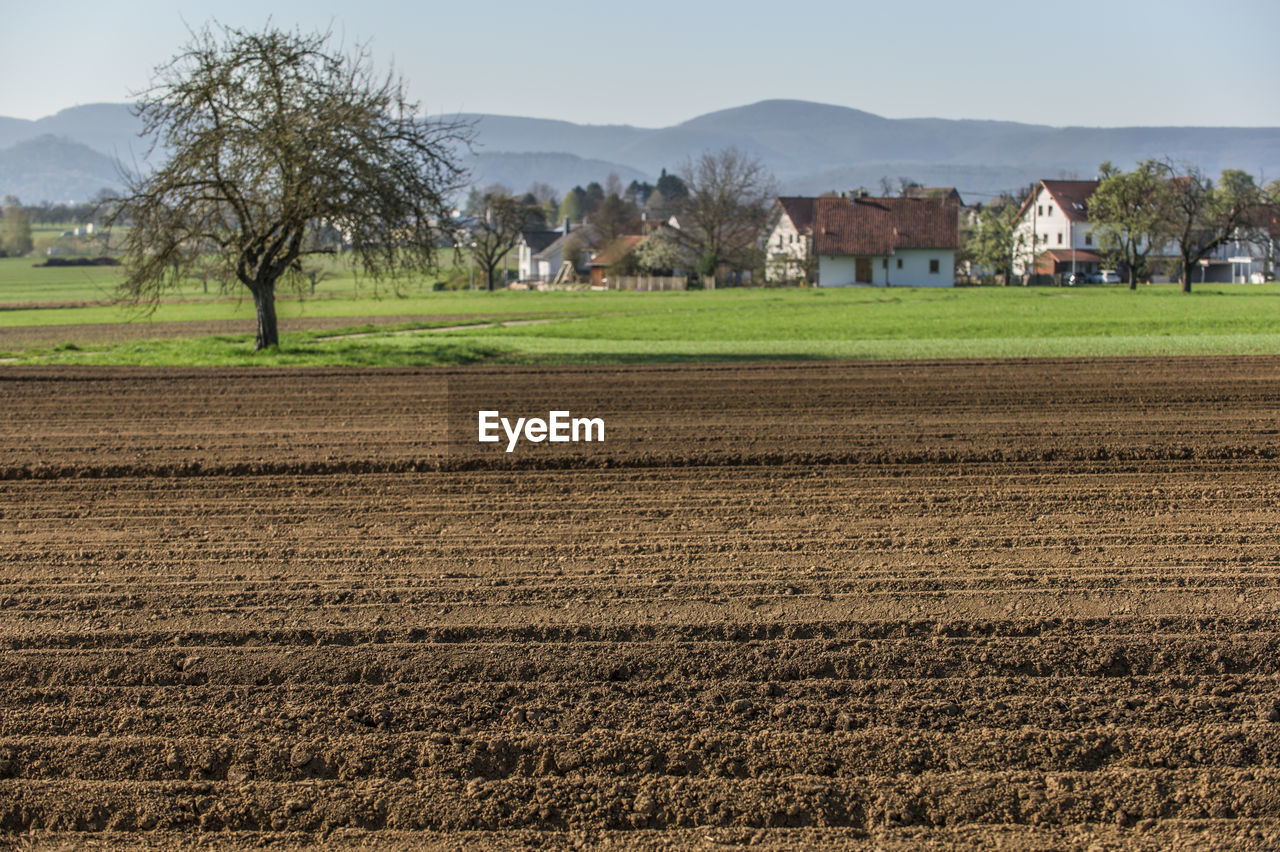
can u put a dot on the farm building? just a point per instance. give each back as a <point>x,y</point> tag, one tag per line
<point>885,242</point>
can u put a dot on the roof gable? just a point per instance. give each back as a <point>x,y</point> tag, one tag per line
<point>585,234</point>
<point>537,240</point>
<point>799,210</point>
<point>617,250</point>
<point>1072,197</point>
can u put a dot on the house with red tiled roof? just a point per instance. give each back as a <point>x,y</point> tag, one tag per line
<point>885,242</point>
<point>1055,230</point>
<point>612,254</point>
<point>788,240</point>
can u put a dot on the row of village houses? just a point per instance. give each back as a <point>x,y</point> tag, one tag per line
<point>903,241</point>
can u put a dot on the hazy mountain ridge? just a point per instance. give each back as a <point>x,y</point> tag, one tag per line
<point>51,168</point>
<point>517,171</point>
<point>807,145</point>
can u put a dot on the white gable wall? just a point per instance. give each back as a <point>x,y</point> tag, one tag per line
<point>785,250</point>
<point>526,262</point>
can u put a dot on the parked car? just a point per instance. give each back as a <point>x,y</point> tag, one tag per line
<point>1105,276</point>
<point>1071,279</point>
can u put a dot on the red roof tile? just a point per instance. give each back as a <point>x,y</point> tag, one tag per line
<point>1081,255</point>
<point>799,210</point>
<point>1266,216</point>
<point>616,250</point>
<point>880,226</point>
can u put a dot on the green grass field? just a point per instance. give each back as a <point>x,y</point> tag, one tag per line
<point>732,324</point>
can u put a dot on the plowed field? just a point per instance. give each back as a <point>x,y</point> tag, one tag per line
<point>890,605</point>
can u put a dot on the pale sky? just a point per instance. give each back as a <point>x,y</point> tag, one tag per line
<point>659,62</point>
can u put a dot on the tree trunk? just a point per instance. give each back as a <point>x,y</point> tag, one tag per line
<point>1186,275</point>
<point>264,301</point>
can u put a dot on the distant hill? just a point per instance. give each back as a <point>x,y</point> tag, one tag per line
<point>563,171</point>
<point>109,129</point>
<point>810,147</point>
<point>49,168</point>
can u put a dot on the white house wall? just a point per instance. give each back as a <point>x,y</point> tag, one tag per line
<point>525,264</point>
<point>785,249</point>
<point>1052,229</point>
<point>836,271</point>
<point>840,271</point>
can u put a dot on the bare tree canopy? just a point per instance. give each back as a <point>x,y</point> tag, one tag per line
<point>729,195</point>
<point>500,220</point>
<point>275,138</point>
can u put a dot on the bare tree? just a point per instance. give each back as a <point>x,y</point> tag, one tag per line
<point>499,221</point>
<point>729,194</point>
<point>273,136</point>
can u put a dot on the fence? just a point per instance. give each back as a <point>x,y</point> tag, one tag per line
<point>647,282</point>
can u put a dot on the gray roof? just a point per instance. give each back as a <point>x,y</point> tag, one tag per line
<point>585,232</point>
<point>540,239</point>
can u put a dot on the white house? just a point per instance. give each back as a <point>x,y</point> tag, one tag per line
<point>530,245</point>
<point>885,242</point>
<point>789,239</point>
<point>1054,233</point>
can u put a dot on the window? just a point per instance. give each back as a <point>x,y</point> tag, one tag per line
<point>1088,239</point>
<point>1059,238</point>
<point>884,263</point>
<point>1040,210</point>
<point>933,266</point>
<point>899,263</point>
<point>1050,209</point>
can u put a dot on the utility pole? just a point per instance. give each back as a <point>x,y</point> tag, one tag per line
<point>1071,241</point>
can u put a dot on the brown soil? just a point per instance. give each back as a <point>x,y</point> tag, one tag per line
<point>876,606</point>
